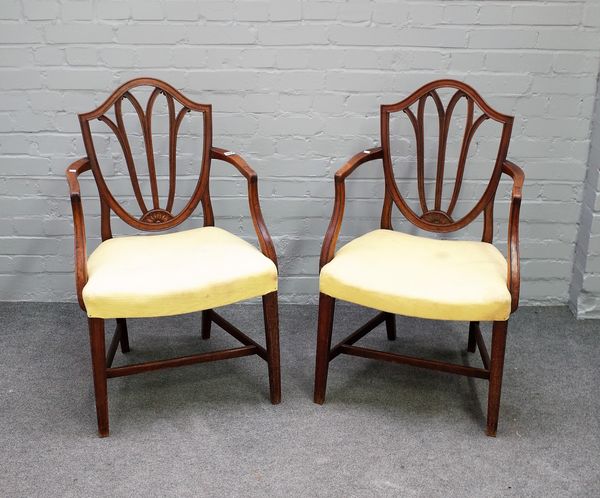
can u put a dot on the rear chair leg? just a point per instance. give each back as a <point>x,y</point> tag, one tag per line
<point>390,326</point>
<point>497,365</point>
<point>325,326</point>
<point>472,344</point>
<point>271,319</point>
<point>97,346</point>
<point>123,335</point>
<point>206,323</point>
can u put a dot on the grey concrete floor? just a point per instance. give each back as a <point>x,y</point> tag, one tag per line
<point>385,430</point>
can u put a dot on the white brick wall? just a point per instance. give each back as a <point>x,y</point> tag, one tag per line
<point>295,87</point>
<point>585,284</point>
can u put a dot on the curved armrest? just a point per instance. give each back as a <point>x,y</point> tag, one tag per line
<point>328,249</point>
<point>264,239</point>
<point>81,275</point>
<point>514,271</point>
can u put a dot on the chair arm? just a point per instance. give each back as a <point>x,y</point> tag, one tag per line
<point>81,275</point>
<point>331,236</point>
<point>514,263</point>
<point>264,239</point>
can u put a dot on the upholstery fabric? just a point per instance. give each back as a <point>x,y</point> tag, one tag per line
<point>420,277</point>
<point>175,273</point>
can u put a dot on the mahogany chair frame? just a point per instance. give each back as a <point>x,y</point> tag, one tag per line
<point>155,219</point>
<point>433,220</point>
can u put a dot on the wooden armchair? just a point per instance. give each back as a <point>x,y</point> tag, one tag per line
<point>174,273</point>
<point>398,273</point>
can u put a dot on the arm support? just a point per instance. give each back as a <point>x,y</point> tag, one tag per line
<point>328,249</point>
<point>264,239</point>
<point>514,272</point>
<point>81,276</point>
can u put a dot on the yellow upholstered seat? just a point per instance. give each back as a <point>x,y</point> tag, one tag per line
<point>421,277</point>
<point>170,274</point>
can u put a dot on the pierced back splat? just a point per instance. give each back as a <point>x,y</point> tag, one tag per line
<point>436,218</point>
<point>153,217</point>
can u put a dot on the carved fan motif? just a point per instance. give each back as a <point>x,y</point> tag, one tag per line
<point>156,216</point>
<point>437,217</point>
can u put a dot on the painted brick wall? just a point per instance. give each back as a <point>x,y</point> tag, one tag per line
<point>585,285</point>
<point>296,88</point>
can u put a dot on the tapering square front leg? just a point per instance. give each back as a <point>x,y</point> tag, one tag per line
<point>325,327</point>
<point>98,350</point>
<point>496,369</point>
<point>271,317</point>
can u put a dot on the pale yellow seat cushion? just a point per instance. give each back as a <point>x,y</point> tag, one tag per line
<point>170,274</point>
<point>420,277</point>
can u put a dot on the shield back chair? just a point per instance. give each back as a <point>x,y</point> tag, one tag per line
<point>398,273</point>
<point>180,272</point>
